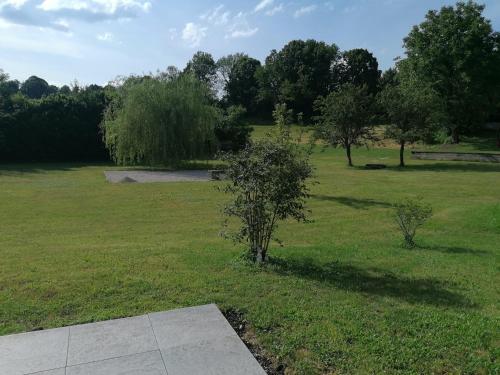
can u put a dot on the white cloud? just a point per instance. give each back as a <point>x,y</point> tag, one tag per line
<point>17,4</point>
<point>276,9</point>
<point>217,16</point>
<point>243,33</point>
<point>240,28</point>
<point>106,37</point>
<point>193,34</point>
<point>96,6</point>
<point>263,5</point>
<point>305,10</point>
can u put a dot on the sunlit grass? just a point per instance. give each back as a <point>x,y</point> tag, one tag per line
<point>341,296</point>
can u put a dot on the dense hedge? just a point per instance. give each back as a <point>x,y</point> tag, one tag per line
<point>55,128</point>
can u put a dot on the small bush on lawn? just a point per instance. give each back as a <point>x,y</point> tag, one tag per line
<point>268,183</point>
<point>410,215</point>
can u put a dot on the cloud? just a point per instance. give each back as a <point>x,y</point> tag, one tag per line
<point>106,37</point>
<point>15,12</point>
<point>49,13</point>
<point>243,33</point>
<point>276,9</point>
<point>263,5</point>
<point>96,10</point>
<point>217,16</point>
<point>305,10</point>
<point>240,28</point>
<point>17,4</point>
<point>193,34</point>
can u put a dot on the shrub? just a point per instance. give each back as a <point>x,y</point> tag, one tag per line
<point>268,183</point>
<point>410,215</point>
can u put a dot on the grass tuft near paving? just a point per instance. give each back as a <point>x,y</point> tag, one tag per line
<point>342,296</point>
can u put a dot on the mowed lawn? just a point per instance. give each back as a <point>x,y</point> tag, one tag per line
<point>341,296</point>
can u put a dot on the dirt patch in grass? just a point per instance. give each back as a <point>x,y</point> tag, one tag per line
<point>270,364</point>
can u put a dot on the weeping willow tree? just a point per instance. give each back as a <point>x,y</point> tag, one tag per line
<point>160,122</point>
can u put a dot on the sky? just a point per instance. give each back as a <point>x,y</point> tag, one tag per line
<point>95,41</point>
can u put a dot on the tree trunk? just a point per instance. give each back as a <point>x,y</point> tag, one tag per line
<point>402,154</point>
<point>348,152</point>
<point>260,255</point>
<point>455,136</point>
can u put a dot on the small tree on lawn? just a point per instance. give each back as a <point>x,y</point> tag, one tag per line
<point>345,118</point>
<point>268,182</point>
<point>410,214</point>
<point>283,118</point>
<point>412,109</point>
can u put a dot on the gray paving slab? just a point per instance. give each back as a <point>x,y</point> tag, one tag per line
<point>225,356</point>
<point>190,341</point>
<point>150,363</point>
<point>27,353</point>
<point>106,340</point>
<point>188,326</point>
<point>156,176</point>
<point>59,371</point>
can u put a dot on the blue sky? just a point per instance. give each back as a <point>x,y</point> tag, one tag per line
<point>93,41</point>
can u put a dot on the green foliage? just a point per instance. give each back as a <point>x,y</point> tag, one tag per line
<point>242,86</point>
<point>203,67</point>
<point>358,67</point>
<point>53,128</point>
<point>232,130</point>
<point>160,122</point>
<point>345,118</point>
<point>283,117</point>
<point>298,74</point>
<point>413,110</point>
<point>268,182</point>
<point>35,88</point>
<point>410,214</point>
<point>456,51</point>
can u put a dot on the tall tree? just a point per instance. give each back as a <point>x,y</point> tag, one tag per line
<point>35,87</point>
<point>455,49</point>
<point>299,73</point>
<point>203,67</point>
<point>242,87</point>
<point>413,109</point>
<point>345,118</point>
<point>359,67</point>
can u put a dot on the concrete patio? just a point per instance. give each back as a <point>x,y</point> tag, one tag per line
<point>190,341</point>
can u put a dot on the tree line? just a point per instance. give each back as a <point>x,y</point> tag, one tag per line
<point>448,84</point>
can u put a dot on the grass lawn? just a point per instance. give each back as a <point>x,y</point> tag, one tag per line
<point>341,296</point>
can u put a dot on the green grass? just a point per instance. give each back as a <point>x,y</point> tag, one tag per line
<point>341,296</point>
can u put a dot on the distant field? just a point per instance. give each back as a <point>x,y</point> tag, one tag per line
<point>341,296</point>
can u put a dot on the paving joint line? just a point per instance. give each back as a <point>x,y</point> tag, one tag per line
<point>158,345</point>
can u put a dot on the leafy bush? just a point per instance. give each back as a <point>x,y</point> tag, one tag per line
<point>410,215</point>
<point>268,181</point>
<point>54,128</point>
<point>161,122</point>
<point>232,131</point>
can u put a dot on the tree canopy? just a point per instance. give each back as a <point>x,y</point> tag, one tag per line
<point>457,52</point>
<point>161,122</point>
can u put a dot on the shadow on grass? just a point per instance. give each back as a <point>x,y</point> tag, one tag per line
<point>452,250</point>
<point>372,281</point>
<point>360,204</point>
<point>448,167</point>
<point>22,168</point>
